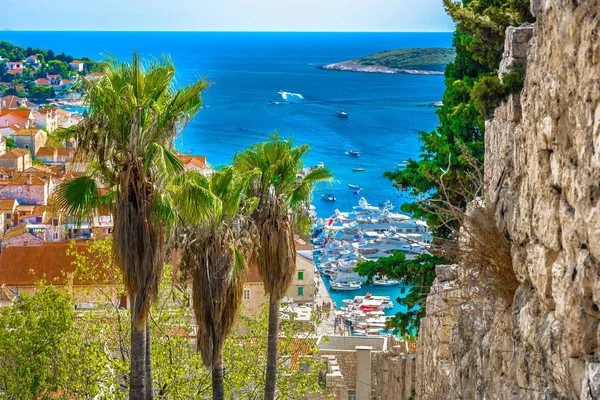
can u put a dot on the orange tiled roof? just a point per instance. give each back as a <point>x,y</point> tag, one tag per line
<point>15,71</point>
<point>253,275</point>
<point>23,180</point>
<point>15,153</point>
<point>76,62</point>
<point>42,81</point>
<point>22,265</point>
<point>25,114</point>
<point>15,231</point>
<point>47,151</point>
<point>198,161</point>
<point>7,204</point>
<point>27,132</point>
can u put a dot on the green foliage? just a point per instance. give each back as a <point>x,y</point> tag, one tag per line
<point>447,153</point>
<point>10,143</point>
<point>410,58</point>
<point>46,346</point>
<point>58,67</point>
<point>488,92</point>
<point>37,162</point>
<point>40,93</point>
<point>41,349</point>
<point>18,53</point>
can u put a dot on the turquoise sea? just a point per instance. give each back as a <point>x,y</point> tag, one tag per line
<point>247,71</point>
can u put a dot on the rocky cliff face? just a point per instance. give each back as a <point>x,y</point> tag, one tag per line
<point>542,178</point>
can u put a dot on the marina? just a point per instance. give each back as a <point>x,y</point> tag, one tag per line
<point>367,232</point>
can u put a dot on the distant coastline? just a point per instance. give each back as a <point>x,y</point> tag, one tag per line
<point>427,61</point>
<point>353,66</point>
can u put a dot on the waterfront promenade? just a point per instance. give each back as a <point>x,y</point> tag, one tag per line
<point>326,327</point>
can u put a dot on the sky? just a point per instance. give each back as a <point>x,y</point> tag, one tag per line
<point>228,15</point>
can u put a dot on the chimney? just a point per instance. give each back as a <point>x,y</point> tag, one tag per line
<point>29,179</point>
<point>55,155</point>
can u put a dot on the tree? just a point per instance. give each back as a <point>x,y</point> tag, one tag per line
<point>214,240</point>
<point>178,369</point>
<point>283,199</point>
<point>447,153</point>
<point>134,114</point>
<point>58,67</point>
<point>41,351</point>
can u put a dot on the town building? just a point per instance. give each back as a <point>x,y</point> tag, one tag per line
<point>12,65</point>
<point>195,163</point>
<point>23,118</point>
<point>14,103</point>
<point>42,82</point>
<point>22,268</point>
<point>55,155</point>
<point>76,65</point>
<point>17,159</point>
<point>30,139</point>
<point>32,59</point>
<point>301,290</point>
<point>26,188</point>
<point>46,118</point>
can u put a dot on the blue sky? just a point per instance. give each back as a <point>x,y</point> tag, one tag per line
<point>227,15</point>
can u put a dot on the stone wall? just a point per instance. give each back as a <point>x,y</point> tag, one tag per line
<point>26,194</point>
<point>542,178</point>
<point>346,360</point>
<point>394,374</point>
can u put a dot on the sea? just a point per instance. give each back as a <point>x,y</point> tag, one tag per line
<point>247,71</point>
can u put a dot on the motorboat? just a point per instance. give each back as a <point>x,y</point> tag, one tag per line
<point>385,282</point>
<point>345,286</point>
<point>328,197</point>
<point>354,153</point>
<point>351,186</point>
<point>342,114</point>
<point>358,169</point>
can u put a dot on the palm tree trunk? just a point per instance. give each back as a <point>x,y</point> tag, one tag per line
<point>217,380</point>
<point>271,374</point>
<point>148,369</point>
<point>137,364</point>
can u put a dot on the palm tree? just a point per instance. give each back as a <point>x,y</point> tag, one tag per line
<point>283,199</point>
<point>215,243</point>
<point>134,114</point>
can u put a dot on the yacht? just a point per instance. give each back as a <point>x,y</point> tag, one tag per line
<point>354,153</point>
<point>345,286</point>
<point>342,114</point>
<point>385,282</point>
<point>351,186</point>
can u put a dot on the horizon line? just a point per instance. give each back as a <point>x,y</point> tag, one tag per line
<point>208,31</point>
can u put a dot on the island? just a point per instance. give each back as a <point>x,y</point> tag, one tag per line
<point>423,61</point>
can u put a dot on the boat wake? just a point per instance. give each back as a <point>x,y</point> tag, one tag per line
<point>287,96</point>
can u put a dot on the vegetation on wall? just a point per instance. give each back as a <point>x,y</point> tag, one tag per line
<point>444,174</point>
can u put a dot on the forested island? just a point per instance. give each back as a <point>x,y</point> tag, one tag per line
<point>408,61</point>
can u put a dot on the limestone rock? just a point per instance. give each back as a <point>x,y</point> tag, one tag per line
<point>542,175</point>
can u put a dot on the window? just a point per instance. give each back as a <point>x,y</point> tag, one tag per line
<point>300,290</point>
<point>300,275</point>
<point>55,236</point>
<point>246,294</point>
<point>8,216</point>
<point>351,394</point>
